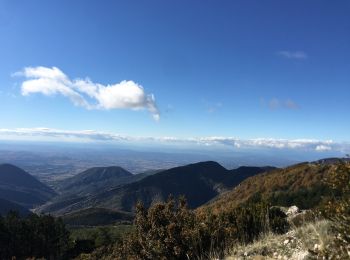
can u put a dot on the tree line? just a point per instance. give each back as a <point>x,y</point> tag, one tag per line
<point>33,236</point>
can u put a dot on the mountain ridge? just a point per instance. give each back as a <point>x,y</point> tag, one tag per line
<point>92,178</point>
<point>199,182</point>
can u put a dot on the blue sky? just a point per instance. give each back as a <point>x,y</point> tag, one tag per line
<point>244,69</point>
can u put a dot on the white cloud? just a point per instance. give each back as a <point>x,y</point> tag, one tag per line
<point>85,93</point>
<point>307,144</point>
<point>236,143</point>
<point>322,148</point>
<point>58,134</point>
<point>298,55</point>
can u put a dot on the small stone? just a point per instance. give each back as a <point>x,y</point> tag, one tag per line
<point>316,247</point>
<point>286,242</point>
<point>293,210</point>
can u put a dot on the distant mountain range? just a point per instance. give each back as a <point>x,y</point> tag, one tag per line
<point>199,182</point>
<point>18,186</point>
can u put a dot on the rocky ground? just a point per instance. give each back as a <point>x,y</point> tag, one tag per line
<point>302,242</point>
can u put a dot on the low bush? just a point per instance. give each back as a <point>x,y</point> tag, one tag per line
<point>171,231</point>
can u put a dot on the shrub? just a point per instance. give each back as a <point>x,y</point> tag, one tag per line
<point>337,209</point>
<point>171,231</point>
<point>278,221</point>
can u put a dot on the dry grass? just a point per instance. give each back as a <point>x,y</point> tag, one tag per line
<point>299,243</point>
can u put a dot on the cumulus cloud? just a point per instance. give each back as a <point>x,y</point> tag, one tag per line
<point>298,55</point>
<point>237,143</point>
<point>85,93</point>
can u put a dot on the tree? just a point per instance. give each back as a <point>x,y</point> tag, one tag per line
<point>33,236</point>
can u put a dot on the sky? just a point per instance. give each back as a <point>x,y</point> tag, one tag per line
<point>243,72</point>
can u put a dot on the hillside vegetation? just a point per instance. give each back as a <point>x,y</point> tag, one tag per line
<point>96,217</point>
<point>302,185</point>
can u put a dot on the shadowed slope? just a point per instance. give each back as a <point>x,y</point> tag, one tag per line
<point>20,187</point>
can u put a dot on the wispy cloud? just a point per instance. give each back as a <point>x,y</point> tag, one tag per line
<point>276,103</point>
<point>85,93</point>
<point>298,55</point>
<point>212,107</point>
<point>236,143</point>
<point>291,104</point>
